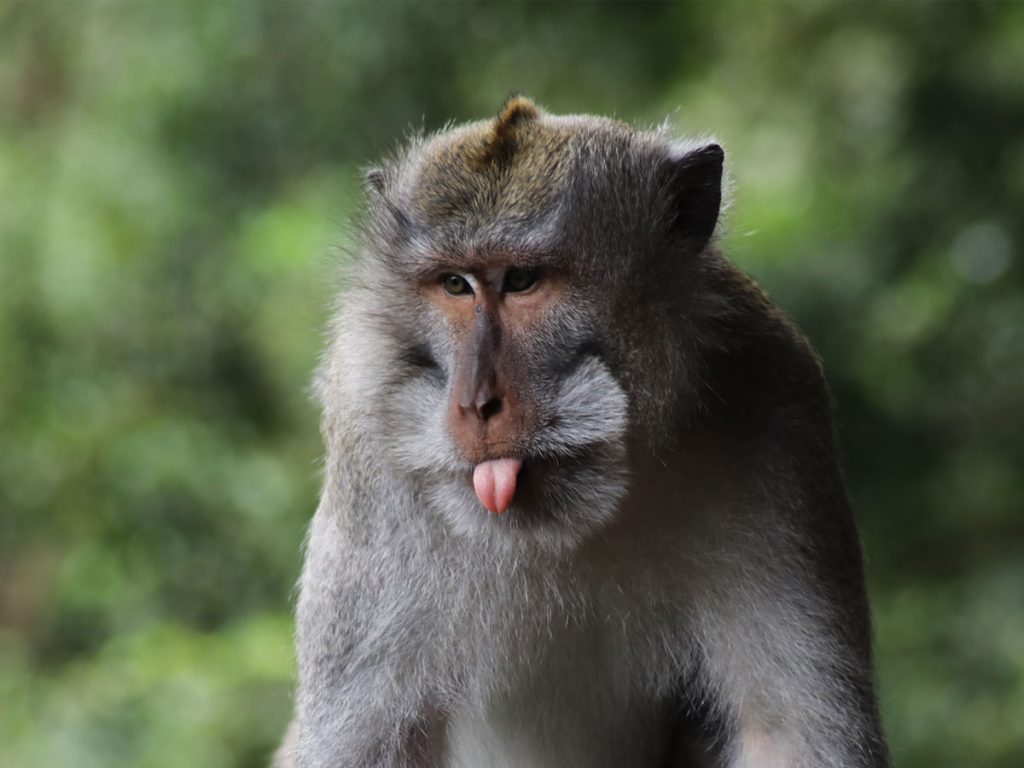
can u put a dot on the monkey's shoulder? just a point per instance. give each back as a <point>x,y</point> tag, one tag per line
<point>765,397</point>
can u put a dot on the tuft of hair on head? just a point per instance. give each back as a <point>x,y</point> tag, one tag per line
<point>501,139</point>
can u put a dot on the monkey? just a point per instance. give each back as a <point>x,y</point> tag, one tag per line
<point>582,502</point>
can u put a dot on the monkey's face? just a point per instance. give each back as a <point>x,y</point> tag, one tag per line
<point>513,422</point>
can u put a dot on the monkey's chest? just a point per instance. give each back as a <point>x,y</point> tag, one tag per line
<point>573,705</point>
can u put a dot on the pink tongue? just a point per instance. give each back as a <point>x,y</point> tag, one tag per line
<point>495,483</point>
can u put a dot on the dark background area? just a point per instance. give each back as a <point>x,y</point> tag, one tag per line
<point>178,183</point>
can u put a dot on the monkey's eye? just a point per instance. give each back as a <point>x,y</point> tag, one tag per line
<point>456,285</point>
<point>519,279</point>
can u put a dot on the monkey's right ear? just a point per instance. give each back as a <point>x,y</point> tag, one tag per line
<point>695,182</point>
<point>374,179</point>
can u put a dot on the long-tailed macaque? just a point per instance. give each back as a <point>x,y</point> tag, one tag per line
<point>582,505</point>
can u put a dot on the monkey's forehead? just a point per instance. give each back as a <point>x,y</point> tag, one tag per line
<point>494,170</point>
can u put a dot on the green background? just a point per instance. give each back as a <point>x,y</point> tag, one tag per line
<point>178,183</point>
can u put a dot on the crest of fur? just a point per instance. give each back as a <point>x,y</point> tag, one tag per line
<point>500,142</point>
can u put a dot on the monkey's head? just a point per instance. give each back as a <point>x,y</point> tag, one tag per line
<point>523,313</point>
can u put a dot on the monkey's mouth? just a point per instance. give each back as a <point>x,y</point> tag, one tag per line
<point>499,482</point>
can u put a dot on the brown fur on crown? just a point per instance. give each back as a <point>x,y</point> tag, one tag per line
<point>512,166</point>
<point>500,142</point>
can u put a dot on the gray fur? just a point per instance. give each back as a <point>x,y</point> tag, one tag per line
<point>683,586</point>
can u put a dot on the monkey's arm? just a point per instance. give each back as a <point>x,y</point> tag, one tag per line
<point>363,660</point>
<point>784,627</point>
<point>781,619</point>
<point>797,690</point>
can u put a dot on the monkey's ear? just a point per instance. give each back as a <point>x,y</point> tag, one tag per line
<point>374,179</point>
<point>695,182</point>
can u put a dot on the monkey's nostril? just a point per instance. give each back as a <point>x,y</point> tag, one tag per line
<point>489,408</point>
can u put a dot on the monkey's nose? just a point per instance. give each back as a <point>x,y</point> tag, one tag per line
<point>485,421</point>
<point>484,401</point>
<point>487,405</point>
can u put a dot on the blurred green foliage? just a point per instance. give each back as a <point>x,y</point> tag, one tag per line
<point>177,181</point>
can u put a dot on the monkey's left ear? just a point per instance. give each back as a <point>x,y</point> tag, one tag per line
<point>695,182</point>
